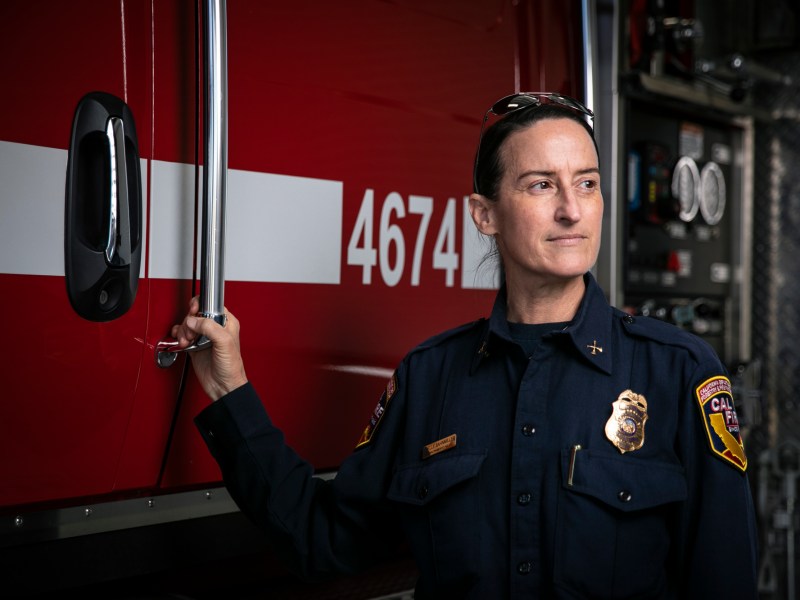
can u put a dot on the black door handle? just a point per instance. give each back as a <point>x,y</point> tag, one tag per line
<point>103,216</point>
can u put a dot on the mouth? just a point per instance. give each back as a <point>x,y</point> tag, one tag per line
<point>567,239</point>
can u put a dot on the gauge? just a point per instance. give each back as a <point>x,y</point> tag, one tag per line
<point>685,187</point>
<point>712,193</point>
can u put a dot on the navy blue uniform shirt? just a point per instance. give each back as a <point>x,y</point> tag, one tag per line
<point>516,476</point>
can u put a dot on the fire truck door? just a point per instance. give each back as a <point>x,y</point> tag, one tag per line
<point>70,369</point>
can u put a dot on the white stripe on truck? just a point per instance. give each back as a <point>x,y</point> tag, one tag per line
<point>279,228</point>
<point>32,182</point>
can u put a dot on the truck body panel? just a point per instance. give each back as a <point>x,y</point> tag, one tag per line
<point>352,132</point>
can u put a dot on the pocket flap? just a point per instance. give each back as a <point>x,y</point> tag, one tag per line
<point>623,482</point>
<point>419,483</point>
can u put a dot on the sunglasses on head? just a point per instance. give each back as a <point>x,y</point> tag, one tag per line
<point>515,102</point>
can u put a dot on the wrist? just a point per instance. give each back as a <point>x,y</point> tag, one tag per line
<point>227,387</point>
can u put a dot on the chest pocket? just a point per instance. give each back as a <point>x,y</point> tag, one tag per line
<point>613,530</point>
<point>438,500</point>
<point>423,482</point>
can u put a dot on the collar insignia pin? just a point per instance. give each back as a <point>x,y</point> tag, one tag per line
<point>594,348</point>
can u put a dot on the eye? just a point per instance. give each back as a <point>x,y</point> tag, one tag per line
<point>540,185</point>
<point>589,184</point>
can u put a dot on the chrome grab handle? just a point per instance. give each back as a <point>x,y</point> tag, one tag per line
<point>118,245</point>
<point>589,34</point>
<point>215,160</point>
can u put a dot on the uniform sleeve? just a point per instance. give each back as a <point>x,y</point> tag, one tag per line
<point>318,527</point>
<point>718,551</point>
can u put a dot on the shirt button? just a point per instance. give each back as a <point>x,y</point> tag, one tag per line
<point>628,318</point>
<point>423,492</point>
<point>624,496</point>
<point>524,499</point>
<point>528,429</point>
<point>524,568</point>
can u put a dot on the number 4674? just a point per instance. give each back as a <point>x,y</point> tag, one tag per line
<point>361,250</point>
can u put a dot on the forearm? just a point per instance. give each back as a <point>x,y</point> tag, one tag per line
<point>306,518</point>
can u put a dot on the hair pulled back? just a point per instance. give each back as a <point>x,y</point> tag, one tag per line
<point>490,167</point>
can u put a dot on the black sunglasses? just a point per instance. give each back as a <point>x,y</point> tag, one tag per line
<point>515,102</point>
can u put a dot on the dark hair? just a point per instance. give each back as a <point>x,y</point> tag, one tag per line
<point>490,165</point>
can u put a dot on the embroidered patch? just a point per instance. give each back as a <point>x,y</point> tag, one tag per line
<point>377,414</point>
<point>719,417</point>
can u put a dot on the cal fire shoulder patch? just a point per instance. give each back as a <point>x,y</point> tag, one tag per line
<point>377,414</point>
<point>719,417</point>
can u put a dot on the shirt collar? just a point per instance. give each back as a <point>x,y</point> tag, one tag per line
<point>590,329</point>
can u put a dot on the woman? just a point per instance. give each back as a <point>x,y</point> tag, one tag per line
<point>559,449</point>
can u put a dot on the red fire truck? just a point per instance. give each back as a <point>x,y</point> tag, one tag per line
<point>347,137</point>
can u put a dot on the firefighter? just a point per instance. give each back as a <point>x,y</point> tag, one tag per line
<point>558,449</point>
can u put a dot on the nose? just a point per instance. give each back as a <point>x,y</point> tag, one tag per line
<point>568,209</point>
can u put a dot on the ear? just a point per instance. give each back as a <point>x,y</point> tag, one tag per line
<point>483,214</point>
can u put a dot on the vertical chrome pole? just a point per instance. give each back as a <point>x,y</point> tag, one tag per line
<point>215,169</point>
<point>589,34</point>
<point>215,163</point>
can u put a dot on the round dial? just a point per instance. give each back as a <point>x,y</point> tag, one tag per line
<point>685,187</point>
<point>712,193</point>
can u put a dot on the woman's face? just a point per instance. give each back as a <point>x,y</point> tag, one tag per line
<point>547,216</point>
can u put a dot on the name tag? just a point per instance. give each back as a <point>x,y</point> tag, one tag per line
<point>439,446</point>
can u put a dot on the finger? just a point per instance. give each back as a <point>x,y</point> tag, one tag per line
<point>184,334</point>
<point>194,306</point>
<point>207,327</point>
<point>181,333</point>
<point>231,322</point>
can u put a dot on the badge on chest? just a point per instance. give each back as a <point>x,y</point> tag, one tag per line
<point>625,427</point>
